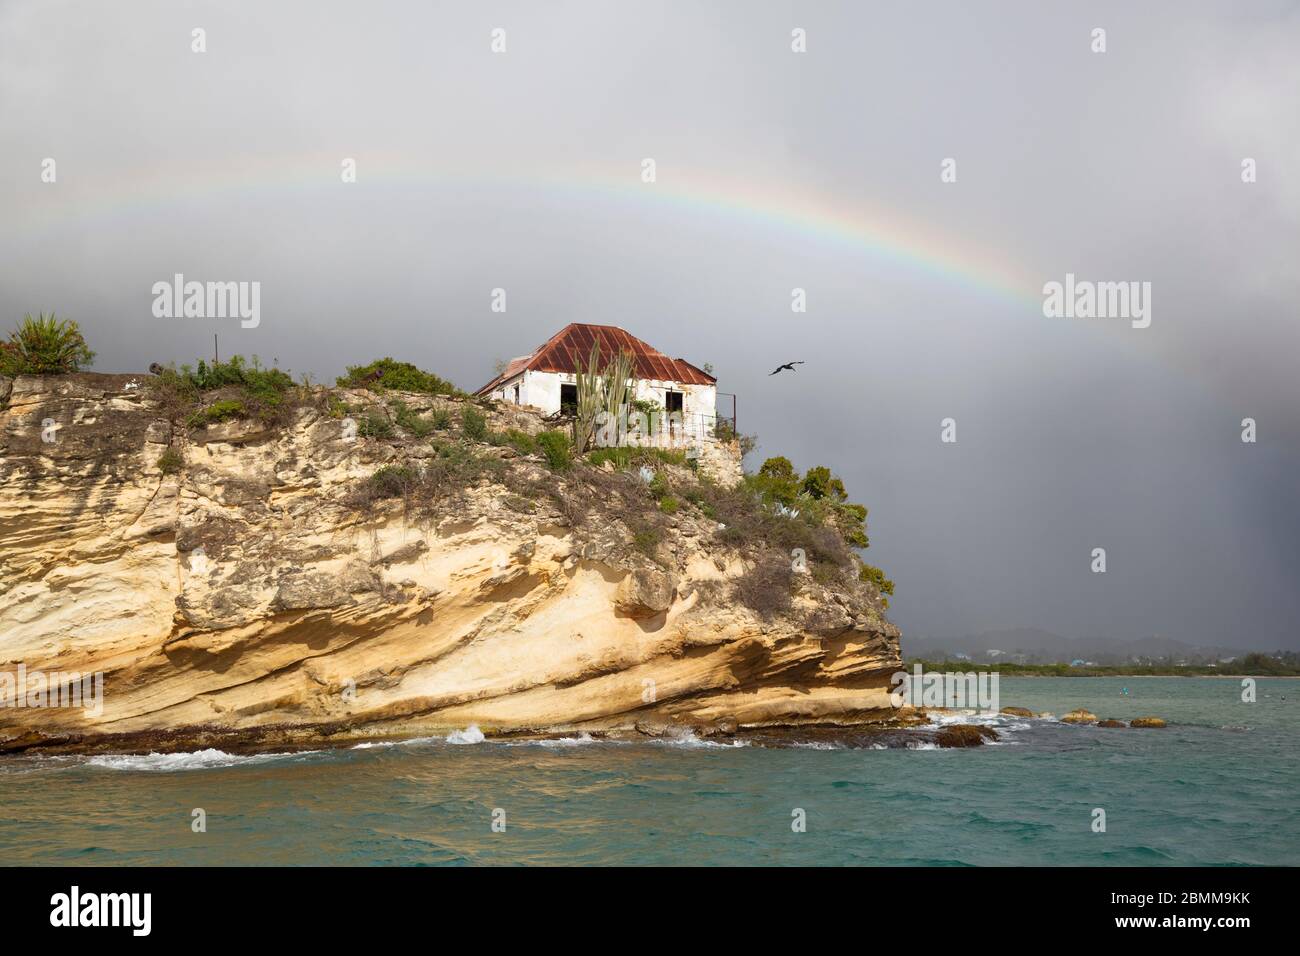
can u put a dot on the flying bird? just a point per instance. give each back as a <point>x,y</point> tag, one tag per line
<point>782,368</point>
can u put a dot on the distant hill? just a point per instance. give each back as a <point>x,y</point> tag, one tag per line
<point>1028,645</point>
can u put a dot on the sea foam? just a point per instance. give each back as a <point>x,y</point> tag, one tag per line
<point>196,760</point>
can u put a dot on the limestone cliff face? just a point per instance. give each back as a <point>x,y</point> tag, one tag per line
<point>248,600</point>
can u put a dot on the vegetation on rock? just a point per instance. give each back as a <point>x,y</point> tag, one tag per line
<point>411,422</point>
<point>473,424</point>
<point>170,461</point>
<point>770,517</point>
<point>204,394</point>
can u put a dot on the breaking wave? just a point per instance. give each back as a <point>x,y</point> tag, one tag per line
<point>196,760</point>
<point>470,735</point>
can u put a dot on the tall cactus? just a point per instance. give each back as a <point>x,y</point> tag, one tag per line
<point>618,374</point>
<point>590,399</point>
<point>599,390</point>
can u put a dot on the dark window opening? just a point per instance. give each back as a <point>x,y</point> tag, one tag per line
<point>673,402</point>
<point>569,398</point>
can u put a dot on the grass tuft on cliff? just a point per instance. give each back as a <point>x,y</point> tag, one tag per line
<point>423,486</point>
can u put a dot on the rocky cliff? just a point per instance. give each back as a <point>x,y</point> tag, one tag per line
<point>258,585</point>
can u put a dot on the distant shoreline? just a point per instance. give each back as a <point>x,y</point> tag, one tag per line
<point>1065,670</point>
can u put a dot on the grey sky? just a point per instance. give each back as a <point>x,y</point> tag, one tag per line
<point>775,170</point>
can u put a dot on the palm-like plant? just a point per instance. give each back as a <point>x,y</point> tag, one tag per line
<point>45,346</point>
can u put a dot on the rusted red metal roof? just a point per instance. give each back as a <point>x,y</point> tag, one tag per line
<point>571,347</point>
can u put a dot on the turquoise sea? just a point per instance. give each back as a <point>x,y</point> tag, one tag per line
<point>1219,785</point>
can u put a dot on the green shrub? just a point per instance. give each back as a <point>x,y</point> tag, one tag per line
<point>874,575</point>
<point>440,419</point>
<point>819,483</point>
<point>777,483</point>
<point>521,441</point>
<point>374,425</point>
<point>695,495</point>
<point>45,346</point>
<point>385,373</point>
<point>409,421</point>
<point>750,522</point>
<point>658,486</point>
<point>458,466</point>
<point>473,424</point>
<point>668,505</point>
<point>393,481</point>
<point>170,461</point>
<point>819,497</point>
<point>221,411</point>
<point>264,386</point>
<point>335,407</point>
<point>555,446</point>
<point>646,539</point>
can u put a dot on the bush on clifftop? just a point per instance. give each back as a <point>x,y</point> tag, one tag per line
<point>385,373</point>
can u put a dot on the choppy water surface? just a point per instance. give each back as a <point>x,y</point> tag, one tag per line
<point>1218,786</point>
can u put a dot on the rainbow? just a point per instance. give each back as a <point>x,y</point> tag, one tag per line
<point>880,233</point>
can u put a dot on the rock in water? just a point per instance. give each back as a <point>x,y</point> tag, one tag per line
<point>1017,711</point>
<point>1147,722</point>
<point>1111,723</point>
<point>1080,716</point>
<point>964,735</point>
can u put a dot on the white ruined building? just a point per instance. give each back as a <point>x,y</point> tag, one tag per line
<point>687,396</point>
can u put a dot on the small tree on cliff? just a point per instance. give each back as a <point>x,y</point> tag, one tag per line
<point>45,346</point>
